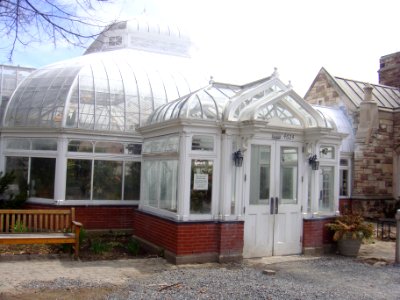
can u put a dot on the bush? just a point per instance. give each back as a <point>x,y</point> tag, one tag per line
<point>9,200</point>
<point>351,226</point>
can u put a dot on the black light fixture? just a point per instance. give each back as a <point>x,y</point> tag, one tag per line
<point>313,161</point>
<point>238,158</point>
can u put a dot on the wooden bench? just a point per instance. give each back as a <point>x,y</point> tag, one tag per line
<point>39,226</point>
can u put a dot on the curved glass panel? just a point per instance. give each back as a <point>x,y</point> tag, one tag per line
<point>110,91</point>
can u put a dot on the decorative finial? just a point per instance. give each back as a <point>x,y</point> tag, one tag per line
<point>211,80</point>
<point>290,84</point>
<point>275,73</point>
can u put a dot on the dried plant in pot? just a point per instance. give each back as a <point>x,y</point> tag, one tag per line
<point>349,231</point>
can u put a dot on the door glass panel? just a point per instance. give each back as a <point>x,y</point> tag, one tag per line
<point>288,175</point>
<point>260,174</point>
<point>326,193</point>
<point>201,186</point>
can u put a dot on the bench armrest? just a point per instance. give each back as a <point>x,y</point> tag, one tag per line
<point>76,223</point>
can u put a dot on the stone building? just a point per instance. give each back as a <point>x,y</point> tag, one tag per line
<point>373,181</point>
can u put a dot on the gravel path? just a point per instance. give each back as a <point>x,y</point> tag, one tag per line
<point>323,278</point>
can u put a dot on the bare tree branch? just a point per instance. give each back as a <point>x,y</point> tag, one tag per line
<point>23,22</point>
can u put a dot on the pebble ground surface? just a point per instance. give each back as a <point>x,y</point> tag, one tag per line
<point>295,277</point>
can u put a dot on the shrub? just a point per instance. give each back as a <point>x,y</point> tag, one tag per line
<point>351,226</point>
<point>133,247</point>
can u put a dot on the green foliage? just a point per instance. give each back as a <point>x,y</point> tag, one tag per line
<point>12,201</point>
<point>99,247</point>
<point>133,247</point>
<point>20,227</point>
<point>82,236</point>
<point>351,226</point>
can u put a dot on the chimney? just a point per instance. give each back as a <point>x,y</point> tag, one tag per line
<point>368,92</point>
<point>389,71</point>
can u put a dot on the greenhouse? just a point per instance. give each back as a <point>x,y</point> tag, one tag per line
<point>135,136</point>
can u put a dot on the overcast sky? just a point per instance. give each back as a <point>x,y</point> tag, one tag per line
<point>241,41</point>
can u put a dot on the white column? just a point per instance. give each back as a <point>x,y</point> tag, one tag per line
<point>184,177</point>
<point>225,158</point>
<point>61,170</point>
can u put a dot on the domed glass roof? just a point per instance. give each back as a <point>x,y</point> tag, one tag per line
<point>107,91</point>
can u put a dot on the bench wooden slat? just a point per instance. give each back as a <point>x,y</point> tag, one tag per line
<point>41,226</point>
<point>7,223</point>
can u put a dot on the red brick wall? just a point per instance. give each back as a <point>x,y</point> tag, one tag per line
<point>188,238</point>
<point>99,217</point>
<point>345,205</point>
<point>315,233</point>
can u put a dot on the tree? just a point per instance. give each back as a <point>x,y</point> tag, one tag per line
<point>23,22</point>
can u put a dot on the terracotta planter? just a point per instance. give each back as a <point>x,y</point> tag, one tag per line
<point>349,247</point>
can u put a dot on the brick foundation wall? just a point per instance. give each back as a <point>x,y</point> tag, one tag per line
<point>189,242</point>
<point>316,237</point>
<point>99,217</point>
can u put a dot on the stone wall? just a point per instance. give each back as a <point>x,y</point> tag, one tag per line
<point>322,92</point>
<point>389,72</point>
<point>373,162</point>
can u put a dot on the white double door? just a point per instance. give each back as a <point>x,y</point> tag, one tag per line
<point>273,223</point>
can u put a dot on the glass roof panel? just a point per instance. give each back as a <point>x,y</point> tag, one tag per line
<point>109,91</point>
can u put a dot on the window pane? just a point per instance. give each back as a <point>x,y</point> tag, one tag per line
<point>162,145</point>
<point>326,186</point>
<point>135,149</point>
<point>44,144</point>
<point>344,181</point>
<point>19,165</point>
<point>260,174</point>
<point>201,187</point>
<point>107,183</point>
<point>18,144</point>
<point>80,146</point>
<point>288,175</point>
<point>108,147</point>
<point>79,174</point>
<point>327,152</point>
<point>42,177</point>
<point>160,179</point>
<point>203,143</point>
<point>132,181</point>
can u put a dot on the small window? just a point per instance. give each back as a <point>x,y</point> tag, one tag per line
<point>44,144</point>
<point>202,143</point>
<point>327,152</point>
<point>165,144</point>
<point>115,41</point>
<point>80,146</point>
<point>18,144</point>
<point>135,149</point>
<point>344,178</point>
<point>109,147</point>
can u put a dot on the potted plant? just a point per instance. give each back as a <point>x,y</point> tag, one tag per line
<point>350,230</point>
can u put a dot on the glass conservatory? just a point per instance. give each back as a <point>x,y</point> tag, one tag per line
<point>70,128</point>
<point>133,131</point>
<point>256,153</point>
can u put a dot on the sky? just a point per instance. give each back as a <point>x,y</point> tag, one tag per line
<point>240,41</point>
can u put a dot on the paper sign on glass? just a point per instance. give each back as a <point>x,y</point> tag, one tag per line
<point>200,182</point>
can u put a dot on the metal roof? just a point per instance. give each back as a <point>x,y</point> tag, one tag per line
<point>386,96</point>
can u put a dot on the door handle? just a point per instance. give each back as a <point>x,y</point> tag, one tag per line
<point>271,206</point>
<point>276,205</point>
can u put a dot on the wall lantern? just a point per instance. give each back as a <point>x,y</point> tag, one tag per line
<point>238,158</point>
<point>314,163</point>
